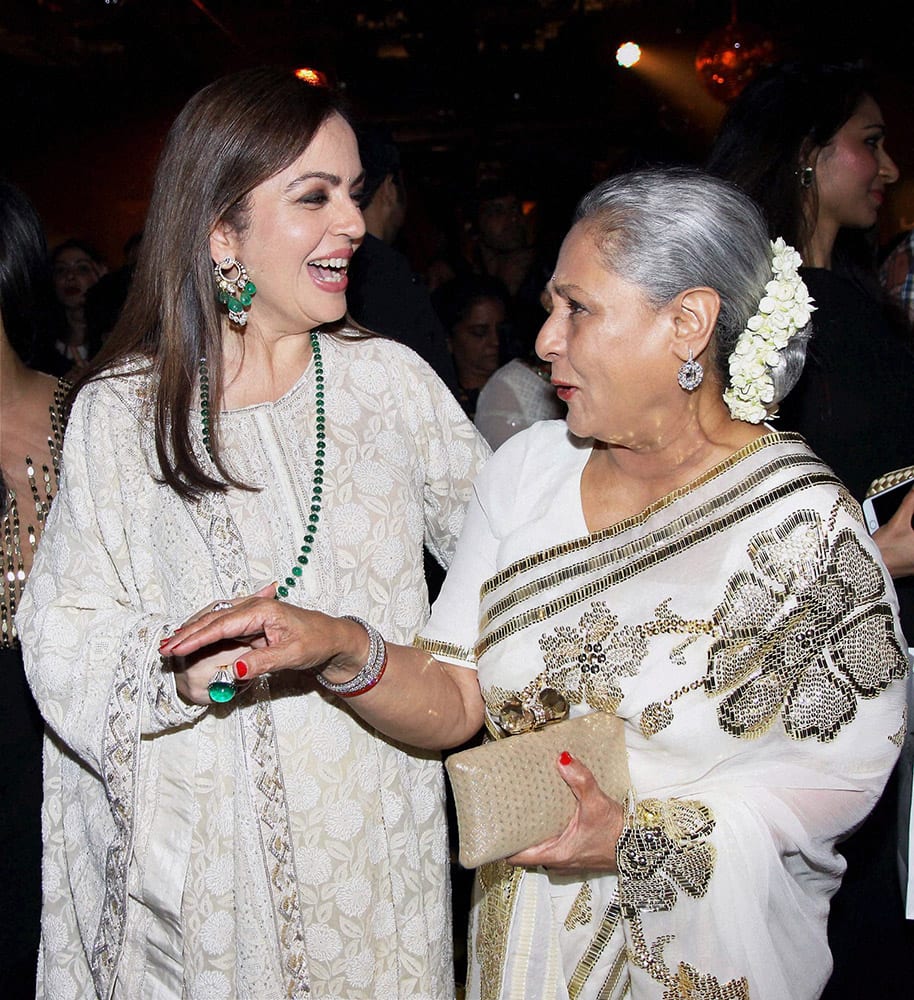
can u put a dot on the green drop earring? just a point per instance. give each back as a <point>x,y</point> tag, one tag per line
<point>236,290</point>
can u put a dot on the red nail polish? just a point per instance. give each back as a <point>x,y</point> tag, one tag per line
<point>565,758</point>
<point>241,669</point>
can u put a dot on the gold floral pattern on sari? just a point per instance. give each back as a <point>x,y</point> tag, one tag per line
<point>804,635</point>
<point>581,912</point>
<point>694,985</point>
<point>898,737</point>
<point>585,662</point>
<point>581,663</point>
<point>663,849</point>
<point>686,982</point>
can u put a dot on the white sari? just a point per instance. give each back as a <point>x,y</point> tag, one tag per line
<point>746,631</point>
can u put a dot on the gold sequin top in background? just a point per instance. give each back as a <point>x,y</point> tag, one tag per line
<point>23,518</point>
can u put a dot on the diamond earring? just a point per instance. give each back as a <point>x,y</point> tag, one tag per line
<point>690,373</point>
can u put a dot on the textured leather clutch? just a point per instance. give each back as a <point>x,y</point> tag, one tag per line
<point>509,794</point>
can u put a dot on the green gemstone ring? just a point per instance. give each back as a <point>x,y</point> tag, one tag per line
<point>221,688</point>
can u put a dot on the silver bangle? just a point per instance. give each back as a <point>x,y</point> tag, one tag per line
<point>369,675</point>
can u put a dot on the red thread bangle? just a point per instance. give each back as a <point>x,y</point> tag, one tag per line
<point>374,680</point>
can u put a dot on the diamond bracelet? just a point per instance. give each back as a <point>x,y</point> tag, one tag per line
<point>370,674</point>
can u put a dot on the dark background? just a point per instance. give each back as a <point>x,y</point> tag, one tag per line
<point>89,88</point>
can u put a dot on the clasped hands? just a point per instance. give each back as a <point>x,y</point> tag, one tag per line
<point>256,635</point>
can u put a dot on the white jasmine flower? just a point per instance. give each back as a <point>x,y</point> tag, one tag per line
<point>785,308</point>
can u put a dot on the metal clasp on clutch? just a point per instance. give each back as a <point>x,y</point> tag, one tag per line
<point>516,716</point>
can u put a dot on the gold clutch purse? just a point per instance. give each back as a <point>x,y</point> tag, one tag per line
<point>509,795</point>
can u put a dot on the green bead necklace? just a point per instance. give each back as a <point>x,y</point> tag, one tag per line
<point>317,479</point>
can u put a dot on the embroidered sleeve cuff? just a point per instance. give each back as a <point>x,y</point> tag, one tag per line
<point>447,651</point>
<point>165,708</point>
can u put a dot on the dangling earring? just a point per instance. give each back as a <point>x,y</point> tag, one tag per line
<point>690,373</point>
<point>806,177</point>
<point>235,293</point>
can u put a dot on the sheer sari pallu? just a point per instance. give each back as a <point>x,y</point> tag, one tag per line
<point>745,631</point>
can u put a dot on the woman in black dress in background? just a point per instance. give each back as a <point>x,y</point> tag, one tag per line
<point>807,142</point>
<point>31,416</point>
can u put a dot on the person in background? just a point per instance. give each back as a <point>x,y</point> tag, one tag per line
<point>669,558</point>
<point>32,413</point>
<point>76,266</point>
<point>384,295</point>
<point>503,246</point>
<point>808,143</point>
<point>474,311</point>
<point>897,273</point>
<point>516,396</point>
<point>105,299</point>
<point>207,838</point>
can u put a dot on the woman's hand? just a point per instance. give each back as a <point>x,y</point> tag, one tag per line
<point>420,701</point>
<point>588,843</point>
<point>896,539</point>
<point>194,672</point>
<point>257,635</point>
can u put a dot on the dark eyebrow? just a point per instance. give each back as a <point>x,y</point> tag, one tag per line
<point>320,175</point>
<point>317,175</point>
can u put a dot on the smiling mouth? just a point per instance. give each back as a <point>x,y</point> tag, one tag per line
<point>330,270</point>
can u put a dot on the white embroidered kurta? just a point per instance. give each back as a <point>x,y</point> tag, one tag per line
<point>274,847</point>
<point>745,630</point>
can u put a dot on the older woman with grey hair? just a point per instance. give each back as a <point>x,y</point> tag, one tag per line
<point>666,556</point>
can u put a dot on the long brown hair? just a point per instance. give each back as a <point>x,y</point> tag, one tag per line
<point>229,138</point>
<point>769,132</point>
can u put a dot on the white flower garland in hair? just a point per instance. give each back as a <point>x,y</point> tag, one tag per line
<point>785,308</point>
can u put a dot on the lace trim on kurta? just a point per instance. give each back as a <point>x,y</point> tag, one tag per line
<point>120,765</point>
<point>259,735</point>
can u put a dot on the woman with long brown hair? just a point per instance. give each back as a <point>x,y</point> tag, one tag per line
<point>209,838</point>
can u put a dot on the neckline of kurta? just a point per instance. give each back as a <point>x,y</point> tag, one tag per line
<point>288,397</point>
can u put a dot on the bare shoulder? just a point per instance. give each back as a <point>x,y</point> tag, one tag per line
<point>25,411</point>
